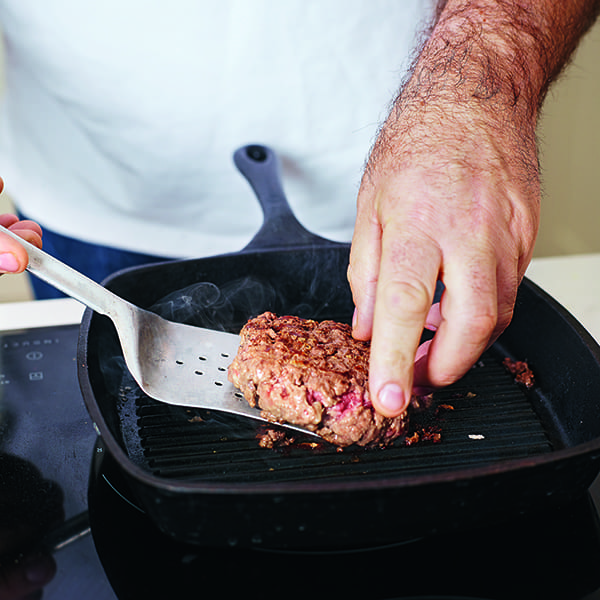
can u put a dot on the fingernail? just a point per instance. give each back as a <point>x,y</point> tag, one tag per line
<point>8,263</point>
<point>354,318</point>
<point>391,397</point>
<point>39,570</point>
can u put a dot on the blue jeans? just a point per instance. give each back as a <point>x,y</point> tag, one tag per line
<point>93,260</point>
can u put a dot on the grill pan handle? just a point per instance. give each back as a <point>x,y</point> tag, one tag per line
<point>280,228</point>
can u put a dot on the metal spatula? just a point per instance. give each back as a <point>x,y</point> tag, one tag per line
<point>172,362</point>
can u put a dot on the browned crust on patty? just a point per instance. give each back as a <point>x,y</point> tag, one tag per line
<point>313,374</point>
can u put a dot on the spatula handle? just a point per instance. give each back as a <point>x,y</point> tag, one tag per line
<point>68,280</point>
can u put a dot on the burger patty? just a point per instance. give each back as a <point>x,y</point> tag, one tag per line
<point>313,374</point>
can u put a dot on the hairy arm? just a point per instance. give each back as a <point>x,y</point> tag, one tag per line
<point>509,49</point>
<point>451,189</point>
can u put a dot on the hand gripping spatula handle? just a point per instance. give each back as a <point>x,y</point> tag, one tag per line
<point>171,362</point>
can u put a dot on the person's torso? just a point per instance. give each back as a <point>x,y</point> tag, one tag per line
<point>127,112</point>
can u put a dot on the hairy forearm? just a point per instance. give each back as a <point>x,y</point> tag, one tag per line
<point>500,52</point>
<point>484,69</point>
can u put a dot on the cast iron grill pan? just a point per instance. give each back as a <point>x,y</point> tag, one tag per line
<point>209,483</point>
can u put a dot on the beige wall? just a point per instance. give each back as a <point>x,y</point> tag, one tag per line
<point>570,157</point>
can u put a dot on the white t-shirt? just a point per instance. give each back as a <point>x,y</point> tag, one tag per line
<point>120,117</point>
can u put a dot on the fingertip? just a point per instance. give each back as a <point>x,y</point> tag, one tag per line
<point>8,219</point>
<point>9,263</point>
<point>434,317</point>
<point>420,373</point>
<point>391,401</point>
<point>30,231</point>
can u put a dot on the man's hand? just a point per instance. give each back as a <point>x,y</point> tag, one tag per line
<point>13,257</point>
<point>451,191</point>
<point>459,209</point>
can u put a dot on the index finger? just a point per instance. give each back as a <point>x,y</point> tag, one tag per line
<point>408,274</point>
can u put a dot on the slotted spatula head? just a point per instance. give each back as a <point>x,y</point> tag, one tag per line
<point>171,362</point>
<point>182,364</point>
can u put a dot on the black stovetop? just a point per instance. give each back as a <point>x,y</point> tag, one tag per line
<point>46,445</point>
<point>48,441</point>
